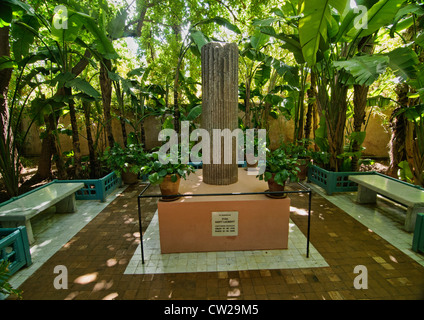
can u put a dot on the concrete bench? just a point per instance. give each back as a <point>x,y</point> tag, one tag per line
<point>20,211</point>
<point>371,185</point>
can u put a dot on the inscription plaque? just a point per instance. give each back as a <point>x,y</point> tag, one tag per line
<point>225,223</point>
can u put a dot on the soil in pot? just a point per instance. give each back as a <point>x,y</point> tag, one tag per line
<point>169,189</point>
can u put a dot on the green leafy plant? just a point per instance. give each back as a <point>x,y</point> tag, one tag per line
<point>128,159</point>
<point>349,154</point>
<point>280,166</point>
<point>5,287</point>
<point>157,171</point>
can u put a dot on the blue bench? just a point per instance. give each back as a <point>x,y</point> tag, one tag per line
<point>14,248</point>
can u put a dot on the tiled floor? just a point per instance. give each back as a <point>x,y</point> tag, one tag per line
<point>155,262</point>
<point>98,258</point>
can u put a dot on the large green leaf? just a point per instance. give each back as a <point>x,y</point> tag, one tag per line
<point>199,39</point>
<point>313,26</point>
<point>69,32</point>
<point>258,40</point>
<point>262,74</point>
<point>116,26</point>
<point>194,113</point>
<point>350,16</point>
<point>10,7</point>
<point>289,42</point>
<point>403,62</point>
<point>101,42</point>
<point>83,86</point>
<point>23,35</point>
<point>379,15</point>
<point>6,62</point>
<point>223,22</point>
<point>364,69</point>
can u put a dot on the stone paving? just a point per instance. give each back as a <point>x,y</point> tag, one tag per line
<point>97,257</point>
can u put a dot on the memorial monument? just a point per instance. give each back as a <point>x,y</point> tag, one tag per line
<point>220,108</point>
<point>219,222</point>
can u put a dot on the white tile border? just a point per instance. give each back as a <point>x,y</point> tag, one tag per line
<point>156,262</point>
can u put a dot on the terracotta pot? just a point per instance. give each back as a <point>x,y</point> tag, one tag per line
<point>303,165</point>
<point>274,186</point>
<point>168,188</point>
<point>129,177</point>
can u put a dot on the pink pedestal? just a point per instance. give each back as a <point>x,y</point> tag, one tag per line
<point>186,225</point>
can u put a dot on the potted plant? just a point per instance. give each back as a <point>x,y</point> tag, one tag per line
<point>279,168</point>
<point>299,150</point>
<point>126,162</point>
<point>166,175</point>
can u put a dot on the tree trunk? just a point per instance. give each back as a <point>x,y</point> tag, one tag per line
<point>267,105</point>
<point>247,105</point>
<point>45,161</point>
<point>106,87</point>
<point>360,96</point>
<point>312,94</point>
<point>336,123</point>
<point>120,99</point>
<point>10,164</point>
<point>55,148</point>
<point>398,124</point>
<point>177,114</point>
<point>75,136</point>
<point>5,76</point>
<point>44,168</point>
<point>94,163</point>
<point>142,134</point>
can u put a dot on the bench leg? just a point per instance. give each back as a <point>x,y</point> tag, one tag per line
<point>411,217</point>
<point>67,205</point>
<point>15,224</point>
<point>366,195</point>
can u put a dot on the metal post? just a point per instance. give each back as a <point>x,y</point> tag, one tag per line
<point>141,231</point>
<point>309,223</point>
<point>140,226</point>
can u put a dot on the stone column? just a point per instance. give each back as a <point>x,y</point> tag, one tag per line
<point>219,107</point>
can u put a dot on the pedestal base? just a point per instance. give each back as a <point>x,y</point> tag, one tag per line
<point>223,223</point>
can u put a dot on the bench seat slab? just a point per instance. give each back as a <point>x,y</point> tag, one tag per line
<point>19,212</point>
<point>371,185</point>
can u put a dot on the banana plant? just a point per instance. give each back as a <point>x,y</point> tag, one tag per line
<point>12,113</point>
<point>58,47</point>
<point>328,36</point>
<point>261,69</point>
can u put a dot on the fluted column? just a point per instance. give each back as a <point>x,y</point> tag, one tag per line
<point>219,107</point>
